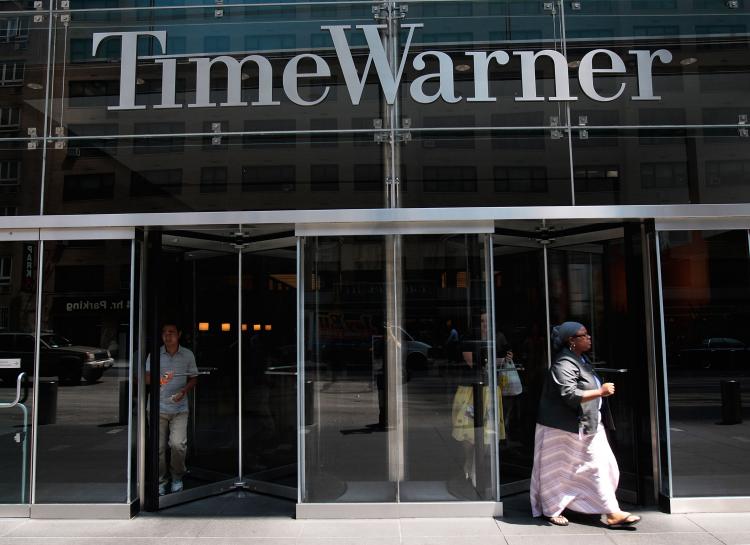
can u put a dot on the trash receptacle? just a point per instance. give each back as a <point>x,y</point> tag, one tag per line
<point>731,402</point>
<point>124,405</point>
<point>47,405</point>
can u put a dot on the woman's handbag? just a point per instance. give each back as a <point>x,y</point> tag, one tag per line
<point>508,380</point>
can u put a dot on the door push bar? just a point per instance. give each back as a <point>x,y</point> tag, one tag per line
<point>19,399</point>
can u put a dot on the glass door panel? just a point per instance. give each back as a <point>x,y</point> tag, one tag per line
<point>595,278</point>
<point>269,367</point>
<point>520,335</point>
<point>200,271</point>
<point>18,284</point>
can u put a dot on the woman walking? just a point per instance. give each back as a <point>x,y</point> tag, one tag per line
<point>574,467</point>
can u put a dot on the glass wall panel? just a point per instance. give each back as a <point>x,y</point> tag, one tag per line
<point>18,286</point>
<point>700,77</point>
<point>82,437</point>
<point>479,168</point>
<point>23,71</point>
<point>450,433</point>
<point>473,91</point>
<point>269,364</point>
<point>661,166</point>
<point>180,174</point>
<point>705,279</point>
<point>20,177</point>
<point>242,90</point>
<point>347,437</point>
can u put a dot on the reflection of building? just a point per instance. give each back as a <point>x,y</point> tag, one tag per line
<point>288,237</point>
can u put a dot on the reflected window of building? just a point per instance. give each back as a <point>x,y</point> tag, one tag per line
<point>728,173</point>
<point>520,179</point>
<point>10,118</point>
<point>459,178</point>
<point>9,172</point>
<point>597,178</point>
<point>269,178</point>
<point>213,179</point>
<point>324,177</point>
<point>11,73</point>
<point>149,183</point>
<point>14,29</point>
<point>6,266</point>
<point>216,44</point>
<point>663,175</point>
<point>88,186</point>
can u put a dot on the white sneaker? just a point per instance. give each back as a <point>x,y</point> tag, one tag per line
<point>162,489</point>
<point>176,485</point>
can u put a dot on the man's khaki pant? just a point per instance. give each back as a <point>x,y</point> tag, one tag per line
<point>174,428</point>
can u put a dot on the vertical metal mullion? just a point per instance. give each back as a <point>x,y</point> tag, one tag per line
<point>489,267</point>
<point>47,99</point>
<point>130,370</point>
<point>301,417</point>
<point>239,363</point>
<point>35,383</point>
<point>664,365</point>
<point>546,305</point>
<point>653,380</point>
<point>568,121</point>
<point>140,372</point>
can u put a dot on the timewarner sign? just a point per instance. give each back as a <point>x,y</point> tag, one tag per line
<point>311,67</point>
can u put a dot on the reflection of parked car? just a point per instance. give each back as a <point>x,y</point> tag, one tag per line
<point>417,352</point>
<point>715,353</point>
<point>58,357</point>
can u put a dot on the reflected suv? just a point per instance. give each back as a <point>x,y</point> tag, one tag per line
<point>58,357</point>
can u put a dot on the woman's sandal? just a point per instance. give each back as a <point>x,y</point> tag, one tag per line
<point>558,520</point>
<point>628,520</point>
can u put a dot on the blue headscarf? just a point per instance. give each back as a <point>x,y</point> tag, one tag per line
<point>562,333</point>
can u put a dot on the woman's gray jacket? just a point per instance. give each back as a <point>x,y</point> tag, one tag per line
<point>560,406</point>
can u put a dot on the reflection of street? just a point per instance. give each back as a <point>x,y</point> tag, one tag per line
<point>91,404</point>
<point>352,442</point>
<point>708,458</point>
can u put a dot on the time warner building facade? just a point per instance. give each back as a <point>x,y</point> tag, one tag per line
<point>335,203</point>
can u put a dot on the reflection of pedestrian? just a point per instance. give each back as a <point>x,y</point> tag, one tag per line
<point>452,352</point>
<point>178,375</point>
<point>574,467</point>
<point>473,369</point>
<point>510,385</point>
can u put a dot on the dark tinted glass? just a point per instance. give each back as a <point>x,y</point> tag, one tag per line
<point>706,301</point>
<point>668,166</point>
<point>82,439</point>
<point>480,168</point>
<point>18,276</point>
<point>179,174</point>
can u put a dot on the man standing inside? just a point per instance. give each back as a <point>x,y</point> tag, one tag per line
<point>178,375</point>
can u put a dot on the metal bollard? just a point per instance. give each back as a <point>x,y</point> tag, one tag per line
<point>47,409</point>
<point>731,402</point>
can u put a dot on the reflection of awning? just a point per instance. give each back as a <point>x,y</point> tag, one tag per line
<point>90,304</point>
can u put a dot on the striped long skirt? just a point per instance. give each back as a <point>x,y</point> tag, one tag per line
<point>572,472</point>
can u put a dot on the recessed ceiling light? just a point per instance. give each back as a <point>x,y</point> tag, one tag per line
<point>688,61</point>
<point>35,86</point>
<point>140,81</point>
<point>574,64</point>
<point>462,68</point>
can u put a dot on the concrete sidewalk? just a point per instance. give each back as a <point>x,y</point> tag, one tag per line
<point>224,520</point>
